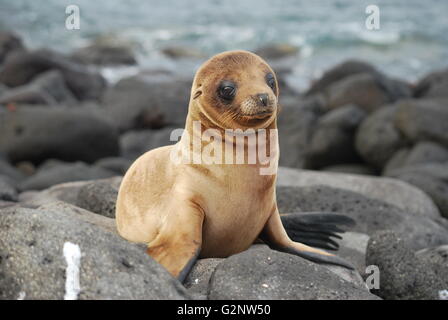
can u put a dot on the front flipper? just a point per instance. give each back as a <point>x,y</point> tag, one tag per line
<point>316,228</point>
<point>178,243</point>
<point>275,236</point>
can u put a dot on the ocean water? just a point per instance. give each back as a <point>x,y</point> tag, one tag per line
<point>412,39</point>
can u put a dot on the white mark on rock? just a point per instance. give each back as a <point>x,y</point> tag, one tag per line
<point>264,285</point>
<point>443,294</point>
<point>72,254</point>
<point>22,295</point>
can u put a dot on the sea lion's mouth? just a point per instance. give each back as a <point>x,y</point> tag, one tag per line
<point>261,115</point>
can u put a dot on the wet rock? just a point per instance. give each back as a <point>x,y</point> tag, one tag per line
<point>371,215</point>
<point>21,67</point>
<point>423,120</point>
<point>110,267</point>
<point>433,85</point>
<point>377,138</point>
<point>47,89</point>
<point>403,275</point>
<point>98,197</point>
<point>333,139</point>
<point>135,143</point>
<point>262,273</point>
<point>9,42</point>
<point>38,133</point>
<point>148,101</point>
<point>77,171</point>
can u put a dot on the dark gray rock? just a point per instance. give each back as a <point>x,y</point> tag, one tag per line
<point>21,67</point>
<point>391,191</point>
<point>433,85</point>
<point>9,42</point>
<point>296,122</point>
<point>438,258</point>
<point>426,152</point>
<point>377,139</point>
<point>360,89</point>
<point>135,143</point>
<point>77,171</point>
<point>371,215</point>
<point>6,204</point>
<point>197,281</point>
<point>351,168</point>
<point>366,90</point>
<point>111,268</point>
<point>432,178</point>
<point>7,191</point>
<point>9,171</point>
<point>114,164</point>
<point>98,197</point>
<point>105,54</point>
<point>352,247</point>
<point>148,100</point>
<point>333,139</point>
<point>262,273</point>
<point>397,160</point>
<point>48,88</point>
<point>339,72</point>
<point>38,133</point>
<point>423,120</point>
<point>26,94</point>
<point>403,275</point>
<point>65,192</point>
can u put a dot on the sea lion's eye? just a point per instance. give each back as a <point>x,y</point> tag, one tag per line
<point>227,90</point>
<point>270,80</point>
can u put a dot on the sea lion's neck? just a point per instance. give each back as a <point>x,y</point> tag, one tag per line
<point>209,142</point>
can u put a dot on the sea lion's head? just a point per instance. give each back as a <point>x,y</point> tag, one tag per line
<point>235,90</point>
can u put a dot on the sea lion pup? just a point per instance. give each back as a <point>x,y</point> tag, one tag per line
<point>188,209</point>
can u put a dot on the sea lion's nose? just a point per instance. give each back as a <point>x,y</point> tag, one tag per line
<point>264,98</point>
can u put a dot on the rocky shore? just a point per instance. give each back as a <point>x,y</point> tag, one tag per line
<point>356,142</point>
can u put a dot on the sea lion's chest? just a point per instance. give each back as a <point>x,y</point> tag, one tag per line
<point>237,201</point>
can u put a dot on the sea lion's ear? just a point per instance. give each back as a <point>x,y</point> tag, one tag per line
<point>197,94</point>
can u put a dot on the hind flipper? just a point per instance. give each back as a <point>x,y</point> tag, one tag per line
<point>316,228</point>
<point>275,236</point>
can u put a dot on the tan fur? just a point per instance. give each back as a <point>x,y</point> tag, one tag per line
<point>217,209</point>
